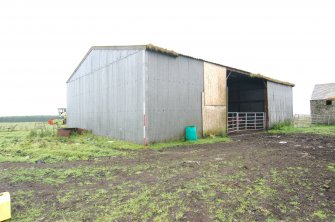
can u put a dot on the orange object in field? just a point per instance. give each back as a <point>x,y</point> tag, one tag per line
<point>51,122</point>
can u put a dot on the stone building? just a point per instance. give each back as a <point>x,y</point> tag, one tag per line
<point>323,103</point>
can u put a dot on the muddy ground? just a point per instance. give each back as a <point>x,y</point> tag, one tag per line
<point>256,177</point>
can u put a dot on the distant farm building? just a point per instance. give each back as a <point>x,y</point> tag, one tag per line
<point>149,94</point>
<point>323,104</point>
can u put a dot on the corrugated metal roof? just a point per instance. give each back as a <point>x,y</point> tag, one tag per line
<point>175,54</point>
<point>324,92</point>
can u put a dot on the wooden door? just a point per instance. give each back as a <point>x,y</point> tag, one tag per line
<point>214,100</point>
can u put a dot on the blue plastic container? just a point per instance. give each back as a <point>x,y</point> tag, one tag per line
<point>191,133</point>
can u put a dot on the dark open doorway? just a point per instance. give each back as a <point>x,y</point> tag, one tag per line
<point>246,102</point>
<point>245,94</point>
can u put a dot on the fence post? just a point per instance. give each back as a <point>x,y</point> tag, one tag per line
<point>237,122</point>
<point>255,116</point>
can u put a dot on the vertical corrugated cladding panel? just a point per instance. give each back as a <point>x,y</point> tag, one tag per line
<point>280,103</point>
<point>174,90</point>
<point>105,94</point>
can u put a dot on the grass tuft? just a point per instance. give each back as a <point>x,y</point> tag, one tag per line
<point>331,167</point>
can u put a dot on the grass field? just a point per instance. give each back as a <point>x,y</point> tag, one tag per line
<point>314,129</point>
<point>91,178</point>
<point>30,142</point>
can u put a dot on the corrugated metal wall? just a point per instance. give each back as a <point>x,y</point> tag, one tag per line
<point>105,94</point>
<point>280,103</point>
<point>174,88</point>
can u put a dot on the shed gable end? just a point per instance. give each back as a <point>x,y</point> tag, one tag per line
<point>97,59</point>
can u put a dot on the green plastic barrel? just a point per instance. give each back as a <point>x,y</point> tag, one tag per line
<point>191,133</point>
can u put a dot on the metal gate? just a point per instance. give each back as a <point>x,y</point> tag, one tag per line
<point>240,121</point>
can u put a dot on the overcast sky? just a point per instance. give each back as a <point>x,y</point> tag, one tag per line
<point>42,42</point>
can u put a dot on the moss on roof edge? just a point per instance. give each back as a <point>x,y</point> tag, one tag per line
<point>252,75</point>
<point>161,50</point>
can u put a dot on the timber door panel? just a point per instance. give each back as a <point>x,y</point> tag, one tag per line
<point>214,100</point>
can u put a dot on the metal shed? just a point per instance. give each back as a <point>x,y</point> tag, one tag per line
<point>149,94</point>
